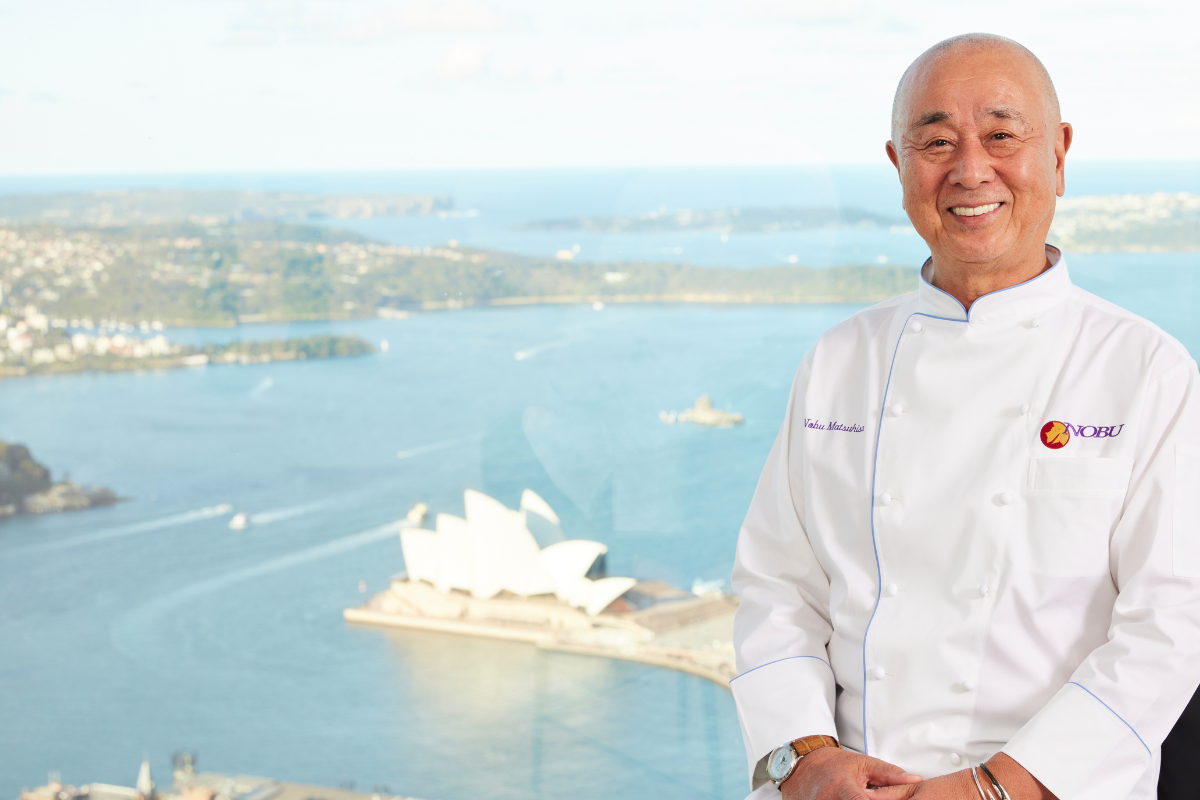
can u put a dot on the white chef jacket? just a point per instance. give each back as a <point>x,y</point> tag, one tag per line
<point>979,532</point>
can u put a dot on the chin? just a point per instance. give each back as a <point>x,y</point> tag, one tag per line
<point>977,252</point>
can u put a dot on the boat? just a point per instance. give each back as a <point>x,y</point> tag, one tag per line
<point>416,514</point>
<point>703,413</point>
<point>239,522</point>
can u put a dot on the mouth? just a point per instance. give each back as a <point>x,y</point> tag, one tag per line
<point>974,211</point>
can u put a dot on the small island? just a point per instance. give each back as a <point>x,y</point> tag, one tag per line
<point>26,487</point>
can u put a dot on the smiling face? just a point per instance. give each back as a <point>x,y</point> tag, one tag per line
<point>980,151</point>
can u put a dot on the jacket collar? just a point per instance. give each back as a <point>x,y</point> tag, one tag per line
<point>1024,299</point>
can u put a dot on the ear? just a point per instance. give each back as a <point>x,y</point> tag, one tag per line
<point>893,156</point>
<point>1062,143</point>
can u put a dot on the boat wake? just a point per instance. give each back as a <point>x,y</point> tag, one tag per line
<point>280,514</point>
<point>137,622</point>
<point>208,512</point>
<point>525,355</point>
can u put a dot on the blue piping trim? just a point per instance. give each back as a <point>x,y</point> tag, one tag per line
<point>921,273</point>
<point>776,661</point>
<point>1115,714</point>
<point>874,473</point>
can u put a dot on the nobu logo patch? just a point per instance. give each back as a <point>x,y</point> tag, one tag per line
<point>1055,434</point>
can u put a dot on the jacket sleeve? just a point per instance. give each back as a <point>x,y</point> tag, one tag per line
<point>785,687</point>
<point>1101,731</point>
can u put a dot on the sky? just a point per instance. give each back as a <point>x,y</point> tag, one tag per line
<point>170,86</point>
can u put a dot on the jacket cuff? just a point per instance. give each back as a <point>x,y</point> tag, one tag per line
<point>782,701</point>
<point>1079,747</point>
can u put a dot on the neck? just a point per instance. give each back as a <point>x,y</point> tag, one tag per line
<point>966,282</point>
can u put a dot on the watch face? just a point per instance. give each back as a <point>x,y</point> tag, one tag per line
<point>780,763</point>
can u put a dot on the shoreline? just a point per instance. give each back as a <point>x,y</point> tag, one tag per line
<point>685,635</point>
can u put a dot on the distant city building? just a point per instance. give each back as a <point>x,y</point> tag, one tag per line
<point>190,785</point>
<point>145,782</point>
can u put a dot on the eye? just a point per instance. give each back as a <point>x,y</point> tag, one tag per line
<point>939,143</point>
<point>1001,136</point>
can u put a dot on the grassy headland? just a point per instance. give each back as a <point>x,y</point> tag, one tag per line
<point>192,274</point>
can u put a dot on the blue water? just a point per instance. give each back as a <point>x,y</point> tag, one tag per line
<point>150,626</point>
<point>192,635</point>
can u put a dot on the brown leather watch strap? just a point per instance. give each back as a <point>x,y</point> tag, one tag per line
<point>806,744</point>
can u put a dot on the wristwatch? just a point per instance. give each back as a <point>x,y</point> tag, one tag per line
<point>783,760</point>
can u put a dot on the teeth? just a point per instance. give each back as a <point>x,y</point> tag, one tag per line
<point>974,211</point>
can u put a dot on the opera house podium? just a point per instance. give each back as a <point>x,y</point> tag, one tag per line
<point>513,574</point>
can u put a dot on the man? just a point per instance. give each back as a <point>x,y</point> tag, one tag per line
<point>977,537</point>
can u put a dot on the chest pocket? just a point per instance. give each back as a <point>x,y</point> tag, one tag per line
<point>1074,504</point>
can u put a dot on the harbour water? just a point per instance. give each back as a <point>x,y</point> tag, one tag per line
<point>151,626</point>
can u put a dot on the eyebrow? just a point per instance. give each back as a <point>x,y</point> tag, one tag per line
<point>930,119</point>
<point>934,117</point>
<point>1005,112</point>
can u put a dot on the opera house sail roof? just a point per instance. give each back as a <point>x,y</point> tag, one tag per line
<point>523,552</point>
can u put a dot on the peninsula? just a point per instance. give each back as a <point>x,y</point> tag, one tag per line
<point>1128,223</point>
<point>33,344</point>
<point>210,207</point>
<point>729,220</point>
<point>185,274</point>
<point>26,487</point>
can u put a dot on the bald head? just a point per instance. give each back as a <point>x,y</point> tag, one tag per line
<point>971,44</point>
<point>980,149</point>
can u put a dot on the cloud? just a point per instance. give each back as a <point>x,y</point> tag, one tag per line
<point>537,71</point>
<point>464,60</point>
<point>802,13</point>
<point>424,16</point>
<point>264,23</point>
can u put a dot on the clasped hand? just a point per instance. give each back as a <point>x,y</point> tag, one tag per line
<point>833,774</point>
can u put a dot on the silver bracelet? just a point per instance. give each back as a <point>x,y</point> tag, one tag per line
<point>995,783</point>
<point>979,786</point>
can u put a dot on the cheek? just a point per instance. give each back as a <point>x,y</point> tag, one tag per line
<point>920,193</point>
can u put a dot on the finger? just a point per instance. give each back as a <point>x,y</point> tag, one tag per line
<point>881,773</point>
<point>902,792</point>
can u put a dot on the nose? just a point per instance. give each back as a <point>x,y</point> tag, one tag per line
<point>972,167</point>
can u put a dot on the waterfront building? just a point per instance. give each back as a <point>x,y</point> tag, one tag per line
<point>523,552</point>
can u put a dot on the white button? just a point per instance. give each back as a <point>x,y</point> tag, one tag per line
<point>897,409</point>
<point>983,590</point>
<point>1033,323</point>
<point>891,590</point>
<point>1024,408</point>
<point>968,685</point>
<point>917,327</point>
<point>885,499</point>
<point>877,673</point>
<point>955,759</point>
<point>1006,498</point>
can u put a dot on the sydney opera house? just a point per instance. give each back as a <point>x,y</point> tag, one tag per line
<point>522,552</point>
<point>511,574</point>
